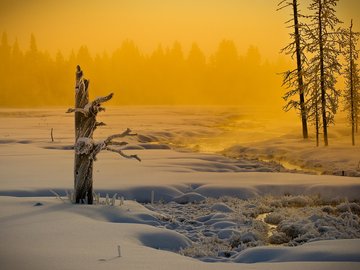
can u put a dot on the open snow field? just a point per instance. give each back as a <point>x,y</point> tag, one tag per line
<point>266,207</point>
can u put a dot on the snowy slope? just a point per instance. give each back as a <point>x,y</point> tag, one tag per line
<point>58,235</point>
<point>42,232</point>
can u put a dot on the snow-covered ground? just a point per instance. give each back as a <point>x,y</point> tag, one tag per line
<point>245,209</point>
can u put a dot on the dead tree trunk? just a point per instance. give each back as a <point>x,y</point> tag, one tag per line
<point>317,121</point>
<point>352,100</point>
<point>322,78</point>
<point>294,79</point>
<point>83,166</point>
<point>300,72</point>
<point>85,148</point>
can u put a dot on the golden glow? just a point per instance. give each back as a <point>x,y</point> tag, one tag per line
<point>211,52</point>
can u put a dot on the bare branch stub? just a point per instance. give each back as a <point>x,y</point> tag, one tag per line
<point>90,148</point>
<point>118,143</point>
<point>126,133</point>
<point>121,153</point>
<point>100,124</point>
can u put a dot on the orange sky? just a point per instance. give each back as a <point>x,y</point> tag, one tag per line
<point>104,24</point>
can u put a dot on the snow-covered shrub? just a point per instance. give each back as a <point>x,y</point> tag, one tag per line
<point>254,235</point>
<point>206,247</point>
<point>296,201</point>
<point>250,236</point>
<point>274,218</point>
<point>349,207</point>
<point>328,209</point>
<point>260,228</point>
<point>276,203</point>
<point>278,238</point>
<point>293,229</point>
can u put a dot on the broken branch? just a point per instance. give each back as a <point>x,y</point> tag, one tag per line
<point>127,132</point>
<point>121,153</point>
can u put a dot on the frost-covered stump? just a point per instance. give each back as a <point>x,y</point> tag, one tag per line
<point>86,148</point>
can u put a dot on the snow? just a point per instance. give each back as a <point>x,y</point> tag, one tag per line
<point>317,251</point>
<point>221,211</point>
<point>221,207</point>
<point>84,145</point>
<point>190,197</point>
<point>165,240</point>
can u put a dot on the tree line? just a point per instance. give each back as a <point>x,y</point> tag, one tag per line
<point>318,43</point>
<point>167,75</point>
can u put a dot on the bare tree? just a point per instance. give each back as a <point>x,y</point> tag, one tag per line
<point>324,41</point>
<point>352,80</point>
<point>293,79</point>
<point>86,148</point>
<point>313,105</point>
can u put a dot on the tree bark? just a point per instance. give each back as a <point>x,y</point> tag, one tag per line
<point>322,78</point>
<point>85,147</point>
<point>317,126</point>
<point>299,73</point>
<point>352,98</point>
<point>83,166</point>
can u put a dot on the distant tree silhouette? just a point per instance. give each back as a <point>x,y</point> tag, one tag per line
<point>83,57</point>
<point>33,45</point>
<point>5,56</point>
<point>352,80</point>
<point>196,69</point>
<point>167,75</point>
<point>293,79</point>
<point>5,50</point>
<point>224,72</point>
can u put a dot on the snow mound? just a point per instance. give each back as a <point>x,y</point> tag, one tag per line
<point>221,207</point>
<point>191,197</point>
<point>321,251</point>
<point>143,193</point>
<point>228,233</point>
<point>224,225</point>
<point>164,240</point>
<point>221,190</point>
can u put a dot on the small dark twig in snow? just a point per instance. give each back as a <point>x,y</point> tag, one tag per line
<point>52,136</point>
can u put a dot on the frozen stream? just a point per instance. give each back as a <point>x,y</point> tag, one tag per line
<point>293,167</point>
<point>272,228</point>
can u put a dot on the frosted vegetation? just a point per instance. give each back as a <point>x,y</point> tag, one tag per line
<point>221,228</point>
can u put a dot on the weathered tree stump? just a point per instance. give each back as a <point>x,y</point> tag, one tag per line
<point>86,148</point>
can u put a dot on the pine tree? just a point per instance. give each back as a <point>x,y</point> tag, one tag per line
<point>352,80</point>
<point>324,42</point>
<point>293,80</point>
